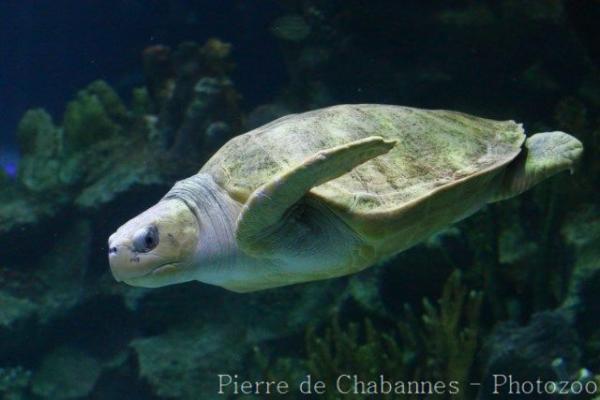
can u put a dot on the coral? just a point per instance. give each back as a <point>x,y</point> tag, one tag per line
<point>365,288</point>
<point>217,57</point>
<point>451,331</point>
<point>202,341</point>
<point>440,346</point>
<point>40,143</point>
<point>61,272</point>
<point>78,182</point>
<point>95,115</point>
<point>141,103</point>
<point>211,95</point>
<point>34,298</point>
<point>122,178</point>
<point>66,373</point>
<point>160,73</point>
<point>341,350</point>
<point>110,100</point>
<point>37,133</point>
<point>19,212</point>
<point>190,90</point>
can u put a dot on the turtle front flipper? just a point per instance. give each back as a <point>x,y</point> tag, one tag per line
<point>264,213</point>
<point>544,155</point>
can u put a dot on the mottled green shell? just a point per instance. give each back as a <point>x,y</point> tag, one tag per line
<point>436,149</point>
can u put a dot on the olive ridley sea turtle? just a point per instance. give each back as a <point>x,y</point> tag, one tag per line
<point>328,193</point>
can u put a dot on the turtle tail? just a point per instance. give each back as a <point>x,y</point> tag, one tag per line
<point>545,154</point>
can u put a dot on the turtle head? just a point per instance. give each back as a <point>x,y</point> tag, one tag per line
<point>157,247</point>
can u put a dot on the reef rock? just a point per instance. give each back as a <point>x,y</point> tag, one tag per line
<point>66,373</point>
<point>530,352</point>
<point>220,336</point>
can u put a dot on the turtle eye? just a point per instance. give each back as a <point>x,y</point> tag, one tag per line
<point>145,239</point>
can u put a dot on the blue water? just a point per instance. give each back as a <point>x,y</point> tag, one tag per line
<point>52,49</point>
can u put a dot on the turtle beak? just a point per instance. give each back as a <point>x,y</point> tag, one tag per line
<point>124,262</point>
<point>113,254</point>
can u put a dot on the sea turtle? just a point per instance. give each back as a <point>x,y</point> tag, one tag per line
<point>328,193</point>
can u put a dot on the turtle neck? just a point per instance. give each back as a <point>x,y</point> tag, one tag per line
<point>216,214</point>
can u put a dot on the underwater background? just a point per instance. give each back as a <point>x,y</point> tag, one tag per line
<point>104,105</point>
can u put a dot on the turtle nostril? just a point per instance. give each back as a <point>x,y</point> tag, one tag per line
<point>112,250</point>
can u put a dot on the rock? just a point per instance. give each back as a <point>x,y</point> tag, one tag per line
<point>34,298</point>
<point>66,373</point>
<point>219,337</point>
<point>186,361</point>
<point>14,309</point>
<point>527,353</point>
<point>61,272</point>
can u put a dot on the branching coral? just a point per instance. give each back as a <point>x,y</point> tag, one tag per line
<point>450,331</point>
<point>342,351</point>
<point>89,160</point>
<point>440,346</point>
<point>37,133</point>
<point>40,143</point>
<point>189,89</point>
<point>217,57</point>
<point>95,115</point>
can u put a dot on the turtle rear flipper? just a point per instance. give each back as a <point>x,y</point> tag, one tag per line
<point>545,154</point>
<point>264,214</point>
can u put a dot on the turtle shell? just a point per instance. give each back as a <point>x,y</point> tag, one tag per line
<point>441,158</point>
